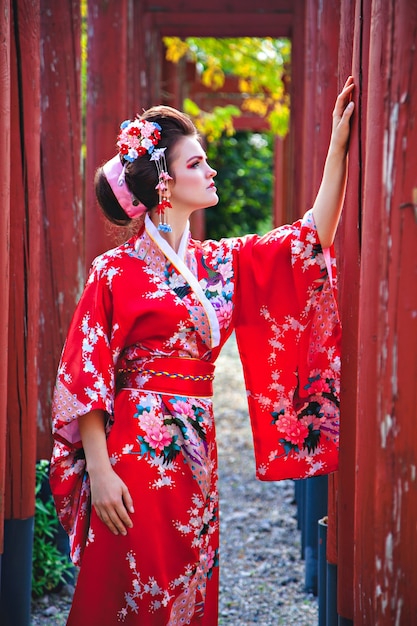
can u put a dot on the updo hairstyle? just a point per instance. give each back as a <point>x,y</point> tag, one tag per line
<point>141,175</point>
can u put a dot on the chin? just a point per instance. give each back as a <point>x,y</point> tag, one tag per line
<point>214,201</point>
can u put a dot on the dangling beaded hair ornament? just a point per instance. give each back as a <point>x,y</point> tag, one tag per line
<point>134,140</point>
<point>158,155</point>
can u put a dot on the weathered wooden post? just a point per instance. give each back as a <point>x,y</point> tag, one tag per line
<point>386,485</point>
<point>318,77</point>
<point>117,75</point>
<point>62,236</point>
<point>23,330</point>
<point>5,160</point>
<point>353,39</point>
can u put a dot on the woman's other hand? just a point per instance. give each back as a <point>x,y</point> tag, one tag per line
<point>342,113</point>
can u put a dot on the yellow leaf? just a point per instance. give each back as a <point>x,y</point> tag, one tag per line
<point>255,105</point>
<point>244,86</point>
<point>213,77</point>
<point>191,108</point>
<point>176,48</point>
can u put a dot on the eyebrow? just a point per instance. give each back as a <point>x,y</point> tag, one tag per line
<point>197,156</point>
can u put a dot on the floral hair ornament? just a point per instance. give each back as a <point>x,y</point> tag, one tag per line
<point>137,138</point>
<point>114,172</point>
<point>158,155</point>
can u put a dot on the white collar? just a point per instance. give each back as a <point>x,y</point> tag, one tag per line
<point>154,233</point>
<point>178,261</point>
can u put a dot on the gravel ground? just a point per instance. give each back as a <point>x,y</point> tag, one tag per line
<point>262,574</point>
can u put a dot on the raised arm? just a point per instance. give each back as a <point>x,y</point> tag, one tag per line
<point>329,201</point>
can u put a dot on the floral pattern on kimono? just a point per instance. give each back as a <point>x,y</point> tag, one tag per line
<point>145,305</point>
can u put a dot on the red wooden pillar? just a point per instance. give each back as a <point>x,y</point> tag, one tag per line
<point>353,39</point>
<point>280,190</point>
<point>295,201</point>
<point>62,271</point>
<point>321,44</point>
<point>386,487</point>
<point>119,84</point>
<point>5,161</point>
<point>308,184</point>
<point>25,223</point>
<point>109,26</point>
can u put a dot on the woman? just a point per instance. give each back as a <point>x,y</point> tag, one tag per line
<point>134,468</point>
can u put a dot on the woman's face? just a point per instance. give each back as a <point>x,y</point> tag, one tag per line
<point>192,186</point>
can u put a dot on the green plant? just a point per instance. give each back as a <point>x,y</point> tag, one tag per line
<point>244,181</point>
<point>49,565</point>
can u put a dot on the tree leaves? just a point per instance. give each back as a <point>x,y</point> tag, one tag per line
<point>261,65</point>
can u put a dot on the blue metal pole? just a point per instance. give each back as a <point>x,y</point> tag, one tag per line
<point>315,509</point>
<point>16,578</point>
<point>331,595</point>
<point>300,497</point>
<point>322,569</point>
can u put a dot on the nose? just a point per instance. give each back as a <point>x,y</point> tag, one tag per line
<point>211,173</point>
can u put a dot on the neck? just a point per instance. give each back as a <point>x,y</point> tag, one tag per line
<point>178,223</point>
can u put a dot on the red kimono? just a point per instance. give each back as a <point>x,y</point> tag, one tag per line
<point>142,346</point>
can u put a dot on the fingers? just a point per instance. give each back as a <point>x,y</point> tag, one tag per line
<point>348,110</point>
<point>115,517</point>
<point>344,106</point>
<point>127,499</point>
<point>113,503</point>
<point>345,95</point>
<point>349,82</point>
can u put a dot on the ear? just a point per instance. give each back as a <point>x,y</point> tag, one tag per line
<point>167,193</point>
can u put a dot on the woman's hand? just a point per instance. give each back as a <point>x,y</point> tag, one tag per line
<point>342,113</point>
<point>328,204</point>
<point>111,500</point>
<point>109,494</point>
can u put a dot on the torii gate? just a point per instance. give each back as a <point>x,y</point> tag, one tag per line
<point>45,213</point>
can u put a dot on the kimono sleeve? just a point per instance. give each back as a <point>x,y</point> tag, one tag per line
<point>288,333</point>
<point>85,381</point>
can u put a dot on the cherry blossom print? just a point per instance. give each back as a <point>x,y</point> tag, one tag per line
<point>139,306</point>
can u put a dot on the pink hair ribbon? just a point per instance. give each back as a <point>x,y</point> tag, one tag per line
<point>114,172</point>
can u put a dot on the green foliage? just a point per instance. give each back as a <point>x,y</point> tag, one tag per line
<point>49,565</point>
<point>214,123</point>
<point>262,69</point>
<point>244,164</point>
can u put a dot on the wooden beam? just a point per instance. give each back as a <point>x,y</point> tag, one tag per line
<point>219,6</point>
<point>224,24</point>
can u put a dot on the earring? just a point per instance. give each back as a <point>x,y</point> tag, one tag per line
<point>158,155</point>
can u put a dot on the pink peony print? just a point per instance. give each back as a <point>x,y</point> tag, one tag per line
<point>312,419</point>
<point>294,430</point>
<point>319,386</point>
<point>224,313</point>
<point>226,270</point>
<point>183,408</point>
<point>156,433</point>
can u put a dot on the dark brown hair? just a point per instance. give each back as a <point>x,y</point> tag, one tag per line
<point>141,175</point>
